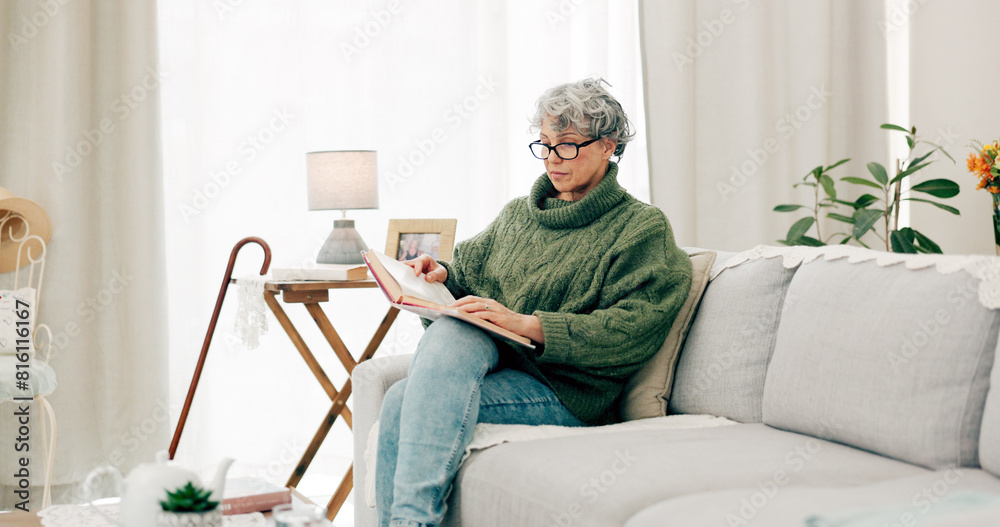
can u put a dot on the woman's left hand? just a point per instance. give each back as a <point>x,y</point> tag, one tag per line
<point>495,312</point>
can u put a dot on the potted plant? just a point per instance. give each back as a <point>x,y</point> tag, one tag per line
<point>870,210</point>
<point>190,506</point>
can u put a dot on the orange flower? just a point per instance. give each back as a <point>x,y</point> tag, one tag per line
<point>981,163</point>
<point>978,164</point>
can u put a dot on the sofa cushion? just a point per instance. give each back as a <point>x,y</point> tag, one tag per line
<point>722,365</point>
<point>989,436</point>
<point>605,478</point>
<point>888,359</point>
<point>965,497</point>
<point>648,391</point>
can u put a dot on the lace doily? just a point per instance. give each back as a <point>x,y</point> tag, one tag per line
<point>984,268</point>
<point>251,315</point>
<point>85,516</point>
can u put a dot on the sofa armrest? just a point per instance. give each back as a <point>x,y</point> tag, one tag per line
<point>370,380</point>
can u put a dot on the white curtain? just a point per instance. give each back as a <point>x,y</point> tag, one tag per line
<point>442,90</point>
<point>949,90</point>
<point>745,97</point>
<point>80,135</point>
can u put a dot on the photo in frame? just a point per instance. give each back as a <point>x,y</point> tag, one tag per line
<point>408,239</point>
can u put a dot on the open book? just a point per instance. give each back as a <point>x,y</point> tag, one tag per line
<point>412,293</point>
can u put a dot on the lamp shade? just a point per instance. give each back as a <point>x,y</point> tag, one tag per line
<point>341,180</point>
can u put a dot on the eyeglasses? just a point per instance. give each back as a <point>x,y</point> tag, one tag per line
<point>564,151</point>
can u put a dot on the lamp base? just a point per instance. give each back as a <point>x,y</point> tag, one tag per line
<point>343,246</point>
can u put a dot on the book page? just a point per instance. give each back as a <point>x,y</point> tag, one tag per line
<point>414,286</point>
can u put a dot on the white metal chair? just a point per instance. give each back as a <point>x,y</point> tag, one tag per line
<point>42,382</point>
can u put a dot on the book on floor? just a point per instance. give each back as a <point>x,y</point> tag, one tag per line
<point>322,272</point>
<point>429,300</point>
<point>247,494</point>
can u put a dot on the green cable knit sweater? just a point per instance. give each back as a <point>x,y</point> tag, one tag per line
<point>603,275</point>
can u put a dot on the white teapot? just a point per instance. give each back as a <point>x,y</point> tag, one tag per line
<point>148,484</point>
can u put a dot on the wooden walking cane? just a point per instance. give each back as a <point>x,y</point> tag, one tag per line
<point>211,331</point>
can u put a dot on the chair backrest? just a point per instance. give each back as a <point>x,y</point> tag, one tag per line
<point>31,251</point>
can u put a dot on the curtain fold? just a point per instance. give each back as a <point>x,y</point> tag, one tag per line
<point>80,134</point>
<point>744,98</point>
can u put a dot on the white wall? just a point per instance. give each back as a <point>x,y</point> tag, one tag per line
<point>954,86</point>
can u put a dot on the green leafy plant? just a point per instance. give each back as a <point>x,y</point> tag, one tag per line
<point>189,498</point>
<point>818,179</point>
<point>869,210</point>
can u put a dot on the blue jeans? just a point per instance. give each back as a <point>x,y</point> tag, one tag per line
<point>429,417</point>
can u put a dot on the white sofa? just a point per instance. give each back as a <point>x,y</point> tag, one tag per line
<point>860,381</point>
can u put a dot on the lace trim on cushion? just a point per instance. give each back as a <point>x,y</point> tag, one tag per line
<point>984,268</point>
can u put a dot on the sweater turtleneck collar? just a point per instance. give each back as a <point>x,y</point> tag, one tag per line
<point>556,213</point>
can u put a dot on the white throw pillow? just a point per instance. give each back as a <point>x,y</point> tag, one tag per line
<point>17,320</point>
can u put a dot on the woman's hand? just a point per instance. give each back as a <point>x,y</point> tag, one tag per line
<point>432,271</point>
<point>495,312</point>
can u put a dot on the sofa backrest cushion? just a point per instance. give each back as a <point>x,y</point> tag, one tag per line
<point>723,362</point>
<point>989,436</point>
<point>887,359</point>
<point>648,390</point>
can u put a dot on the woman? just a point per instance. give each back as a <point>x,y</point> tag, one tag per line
<point>586,271</point>
<point>412,250</point>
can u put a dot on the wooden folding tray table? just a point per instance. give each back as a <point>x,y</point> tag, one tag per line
<point>311,294</point>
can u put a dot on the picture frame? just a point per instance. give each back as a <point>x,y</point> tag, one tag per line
<point>409,238</point>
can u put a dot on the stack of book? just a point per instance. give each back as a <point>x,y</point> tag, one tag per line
<point>322,272</point>
<point>246,494</point>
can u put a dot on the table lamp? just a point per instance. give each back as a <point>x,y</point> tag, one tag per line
<point>342,180</point>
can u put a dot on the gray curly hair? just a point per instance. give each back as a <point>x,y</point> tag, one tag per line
<point>587,107</point>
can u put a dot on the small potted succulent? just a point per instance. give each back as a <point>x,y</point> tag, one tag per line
<point>190,506</point>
